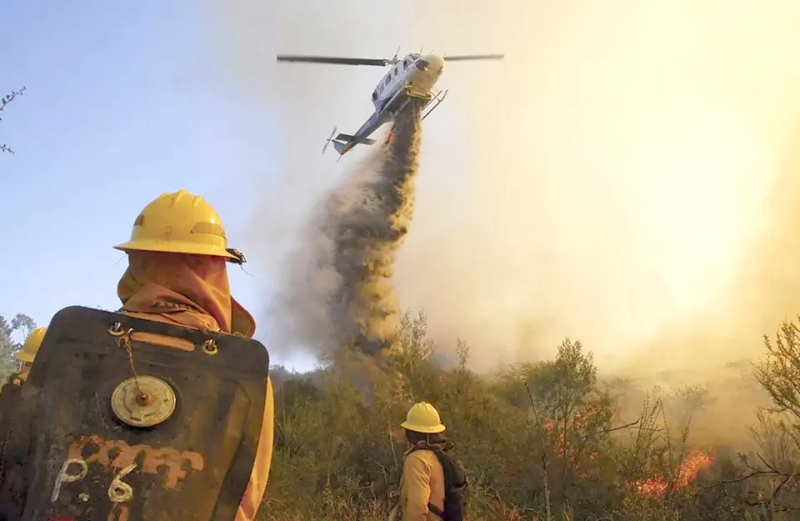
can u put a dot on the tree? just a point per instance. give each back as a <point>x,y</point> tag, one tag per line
<point>779,373</point>
<point>571,414</point>
<point>770,473</point>
<point>5,100</point>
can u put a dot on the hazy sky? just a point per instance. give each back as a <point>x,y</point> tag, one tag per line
<point>609,181</point>
<point>121,105</point>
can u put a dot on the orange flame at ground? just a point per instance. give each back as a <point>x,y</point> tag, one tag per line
<point>578,422</point>
<point>691,465</point>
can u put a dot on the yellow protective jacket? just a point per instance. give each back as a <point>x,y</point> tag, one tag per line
<point>193,291</point>
<point>422,483</point>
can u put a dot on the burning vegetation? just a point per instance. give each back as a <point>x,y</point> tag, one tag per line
<point>679,476</point>
<point>542,441</point>
<point>545,440</point>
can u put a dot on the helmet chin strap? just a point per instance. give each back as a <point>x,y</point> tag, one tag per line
<point>426,441</point>
<point>240,258</point>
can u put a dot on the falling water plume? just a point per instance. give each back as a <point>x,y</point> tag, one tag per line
<point>366,241</point>
<point>339,290</point>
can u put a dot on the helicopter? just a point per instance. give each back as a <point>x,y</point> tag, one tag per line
<point>412,77</point>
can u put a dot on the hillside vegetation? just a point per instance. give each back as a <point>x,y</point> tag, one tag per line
<point>540,441</point>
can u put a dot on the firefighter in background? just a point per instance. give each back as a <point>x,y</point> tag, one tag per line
<point>10,390</point>
<point>422,484</point>
<point>177,273</point>
<point>27,354</point>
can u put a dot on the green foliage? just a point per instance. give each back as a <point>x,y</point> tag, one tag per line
<point>779,372</point>
<point>772,472</point>
<point>541,440</point>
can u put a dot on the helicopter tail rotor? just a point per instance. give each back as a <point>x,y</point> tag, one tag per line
<point>328,141</point>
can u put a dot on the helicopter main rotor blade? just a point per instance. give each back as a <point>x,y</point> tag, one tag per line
<point>333,60</point>
<point>467,57</point>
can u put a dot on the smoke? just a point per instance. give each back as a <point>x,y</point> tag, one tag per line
<point>615,182</point>
<point>763,291</point>
<point>339,288</point>
<point>611,180</point>
<point>717,345</point>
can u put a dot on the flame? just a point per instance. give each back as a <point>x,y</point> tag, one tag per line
<point>578,422</point>
<point>691,465</point>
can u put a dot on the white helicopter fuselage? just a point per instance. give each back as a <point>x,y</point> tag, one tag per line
<point>414,75</point>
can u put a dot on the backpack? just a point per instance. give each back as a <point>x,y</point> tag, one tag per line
<point>456,487</point>
<point>111,426</point>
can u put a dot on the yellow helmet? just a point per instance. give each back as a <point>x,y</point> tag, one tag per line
<point>180,223</point>
<point>31,347</point>
<point>422,417</point>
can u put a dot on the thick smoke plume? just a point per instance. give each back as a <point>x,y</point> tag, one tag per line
<point>340,289</point>
<point>624,177</point>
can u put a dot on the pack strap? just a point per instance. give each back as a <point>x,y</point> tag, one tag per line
<point>439,513</point>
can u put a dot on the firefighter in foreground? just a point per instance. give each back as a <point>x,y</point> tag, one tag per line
<point>433,485</point>
<point>177,273</point>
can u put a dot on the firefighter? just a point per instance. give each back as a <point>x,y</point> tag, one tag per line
<point>177,273</point>
<point>422,484</point>
<point>10,394</point>
<point>27,354</point>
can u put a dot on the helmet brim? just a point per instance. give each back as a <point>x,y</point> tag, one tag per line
<point>25,357</point>
<point>436,429</point>
<point>175,247</point>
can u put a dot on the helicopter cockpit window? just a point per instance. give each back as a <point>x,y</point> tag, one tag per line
<point>422,65</point>
<point>374,95</point>
<point>388,79</point>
